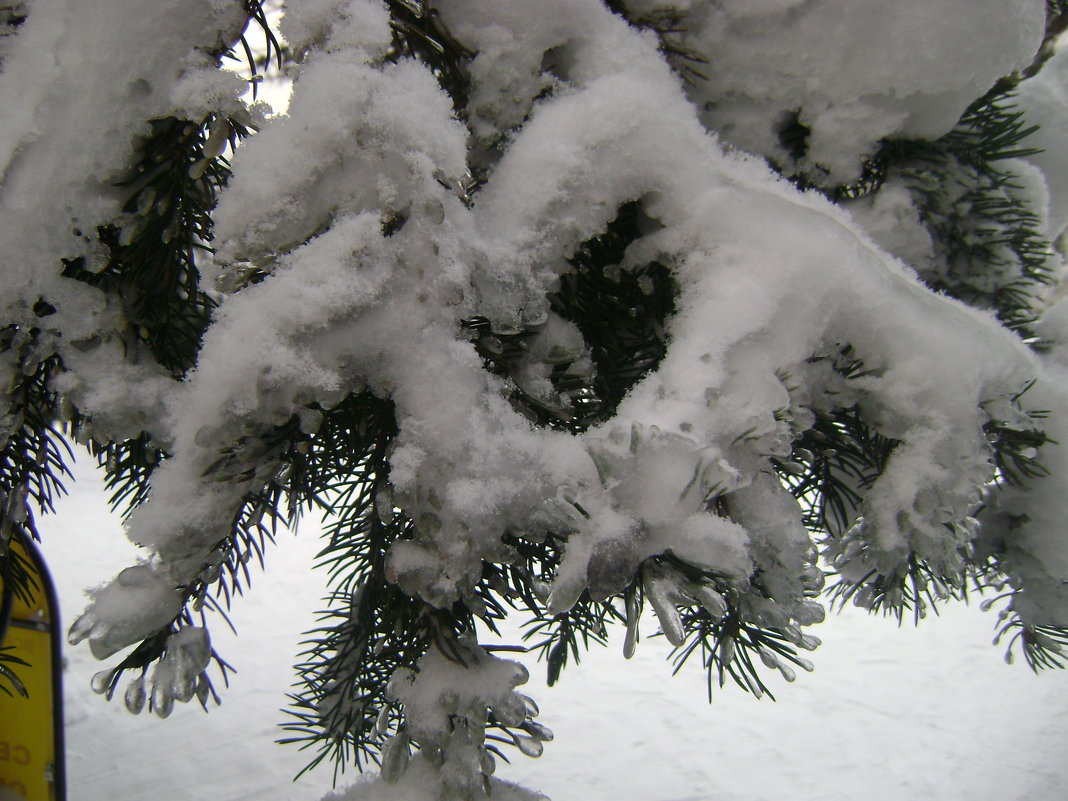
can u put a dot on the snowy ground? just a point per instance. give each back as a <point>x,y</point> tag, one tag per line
<point>889,714</point>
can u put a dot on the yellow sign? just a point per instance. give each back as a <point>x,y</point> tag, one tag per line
<point>31,746</point>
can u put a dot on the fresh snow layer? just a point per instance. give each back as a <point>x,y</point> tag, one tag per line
<point>574,113</point>
<point>78,86</point>
<point>782,276</point>
<point>893,714</point>
<point>1044,100</point>
<point>853,73</point>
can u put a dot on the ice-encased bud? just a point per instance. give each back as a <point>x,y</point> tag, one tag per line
<point>101,681</point>
<point>510,711</point>
<point>395,757</point>
<point>660,590</point>
<point>530,746</point>
<point>135,605</point>
<point>630,642</point>
<point>713,602</point>
<point>135,695</point>
<point>177,675</point>
<point>543,733</point>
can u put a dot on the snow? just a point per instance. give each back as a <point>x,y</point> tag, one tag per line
<point>923,62</point>
<point>618,128</point>
<point>1044,99</point>
<point>895,713</point>
<point>354,207</point>
<point>73,113</point>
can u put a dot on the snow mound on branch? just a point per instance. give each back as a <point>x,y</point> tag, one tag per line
<point>78,87</point>
<point>1044,100</point>
<point>419,784</point>
<point>852,73</point>
<point>126,610</point>
<point>1028,520</point>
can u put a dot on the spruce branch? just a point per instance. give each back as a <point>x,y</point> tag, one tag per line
<point>988,240</point>
<point>164,690</point>
<point>1015,437</point>
<point>557,638</point>
<point>1056,24</point>
<point>831,466</point>
<point>622,313</point>
<point>11,684</point>
<point>567,635</point>
<point>372,629</point>
<point>257,15</point>
<point>732,647</point>
<point>16,582</point>
<point>668,24</point>
<point>340,706</point>
<point>169,193</point>
<point>152,265</point>
<point>1043,647</point>
<point>127,466</point>
<point>917,586</point>
<point>733,627</point>
<point>34,454</point>
<point>420,33</point>
<point>835,460</point>
<point>286,469</point>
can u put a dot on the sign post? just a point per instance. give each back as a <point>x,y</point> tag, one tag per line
<point>31,728</point>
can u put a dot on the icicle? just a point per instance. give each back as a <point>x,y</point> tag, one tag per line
<point>531,746</point>
<point>134,697</point>
<point>530,706</point>
<point>726,651</point>
<point>543,733</point>
<point>630,642</point>
<point>395,757</point>
<point>101,681</point>
<point>382,721</point>
<point>713,602</point>
<point>661,592</point>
